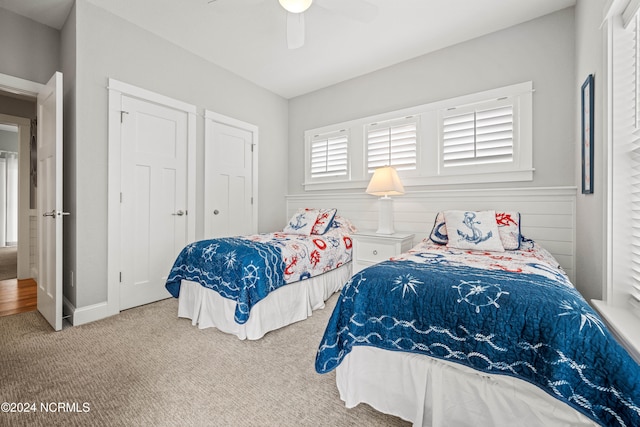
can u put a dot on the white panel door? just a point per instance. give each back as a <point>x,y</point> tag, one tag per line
<point>154,198</point>
<point>49,201</point>
<point>228,180</point>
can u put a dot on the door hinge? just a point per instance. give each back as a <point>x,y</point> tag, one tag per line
<point>121,197</point>
<point>120,277</point>
<point>252,147</point>
<point>122,113</point>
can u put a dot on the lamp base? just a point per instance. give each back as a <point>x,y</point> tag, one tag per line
<point>385,216</point>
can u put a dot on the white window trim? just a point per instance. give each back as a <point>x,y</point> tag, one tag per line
<point>428,171</point>
<point>617,306</point>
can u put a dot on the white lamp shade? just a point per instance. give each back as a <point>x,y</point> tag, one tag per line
<point>295,6</point>
<point>385,182</point>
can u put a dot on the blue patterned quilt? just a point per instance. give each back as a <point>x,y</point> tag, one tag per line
<point>236,268</point>
<point>513,313</point>
<point>246,269</point>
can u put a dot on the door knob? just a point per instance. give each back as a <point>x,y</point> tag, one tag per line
<point>179,213</point>
<point>53,213</point>
<point>216,212</point>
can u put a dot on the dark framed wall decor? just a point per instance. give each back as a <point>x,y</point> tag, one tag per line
<point>587,134</point>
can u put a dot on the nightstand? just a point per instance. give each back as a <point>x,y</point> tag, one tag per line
<point>370,248</point>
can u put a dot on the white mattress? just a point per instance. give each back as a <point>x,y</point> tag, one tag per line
<point>432,392</point>
<point>287,304</point>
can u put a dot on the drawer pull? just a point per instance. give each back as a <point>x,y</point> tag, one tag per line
<point>375,252</point>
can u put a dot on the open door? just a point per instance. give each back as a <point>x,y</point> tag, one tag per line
<point>49,201</point>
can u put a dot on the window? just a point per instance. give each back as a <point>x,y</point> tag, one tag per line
<point>393,143</point>
<point>478,135</point>
<point>329,155</point>
<point>477,138</point>
<point>632,136</point>
<point>634,161</point>
<point>621,307</point>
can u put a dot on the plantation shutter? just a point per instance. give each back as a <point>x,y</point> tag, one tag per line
<point>329,154</point>
<point>478,136</point>
<point>634,160</point>
<point>393,143</point>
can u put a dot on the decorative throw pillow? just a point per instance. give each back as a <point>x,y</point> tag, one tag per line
<point>473,230</point>
<point>439,231</point>
<point>343,225</point>
<point>302,222</point>
<point>323,221</point>
<point>508,229</point>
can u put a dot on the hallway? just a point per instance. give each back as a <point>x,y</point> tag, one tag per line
<point>17,296</point>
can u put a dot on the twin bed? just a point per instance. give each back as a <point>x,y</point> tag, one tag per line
<point>475,325</point>
<point>237,284</point>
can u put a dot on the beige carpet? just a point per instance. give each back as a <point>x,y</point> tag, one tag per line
<point>8,262</point>
<point>146,367</point>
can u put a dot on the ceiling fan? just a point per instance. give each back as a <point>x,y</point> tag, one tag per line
<point>360,10</point>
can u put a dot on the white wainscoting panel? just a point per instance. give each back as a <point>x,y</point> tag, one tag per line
<point>548,214</point>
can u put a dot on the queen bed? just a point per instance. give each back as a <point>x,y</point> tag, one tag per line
<point>474,326</point>
<point>250,285</point>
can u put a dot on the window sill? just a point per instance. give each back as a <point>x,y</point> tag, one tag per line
<point>624,324</point>
<point>509,176</point>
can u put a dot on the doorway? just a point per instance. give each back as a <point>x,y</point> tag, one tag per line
<point>17,217</point>
<point>9,142</point>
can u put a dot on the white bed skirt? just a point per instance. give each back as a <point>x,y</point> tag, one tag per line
<point>432,392</point>
<point>287,304</point>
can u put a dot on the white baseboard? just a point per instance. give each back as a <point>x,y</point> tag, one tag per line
<point>90,313</point>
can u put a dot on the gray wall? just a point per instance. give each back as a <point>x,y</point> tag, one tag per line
<point>556,52</point>
<point>68,63</point>
<point>591,217</point>
<point>29,50</point>
<point>109,47</point>
<point>13,106</point>
<point>541,50</point>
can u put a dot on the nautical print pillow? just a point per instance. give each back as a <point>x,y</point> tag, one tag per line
<point>302,222</point>
<point>439,231</point>
<point>477,231</point>
<point>323,221</point>
<point>343,225</point>
<point>508,229</point>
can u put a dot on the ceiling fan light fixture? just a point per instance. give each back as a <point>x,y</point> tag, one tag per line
<point>295,6</point>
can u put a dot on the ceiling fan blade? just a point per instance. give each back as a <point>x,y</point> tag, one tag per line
<point>295,30</point>
<point>360,10</point>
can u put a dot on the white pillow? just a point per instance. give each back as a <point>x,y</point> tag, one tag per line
<point>477,231</point>
<point>302,222</point>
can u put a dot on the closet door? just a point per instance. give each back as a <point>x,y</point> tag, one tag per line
<point>154,197</point>
<point>230,153</point>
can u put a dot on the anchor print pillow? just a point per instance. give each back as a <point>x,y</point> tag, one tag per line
<point>302,222</point>
<point>477,231</point>
<point>508,229</point>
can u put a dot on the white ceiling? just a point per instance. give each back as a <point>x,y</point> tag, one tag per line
<point>248,37</point>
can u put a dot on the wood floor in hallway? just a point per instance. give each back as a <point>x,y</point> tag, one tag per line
<point>18,296</point>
